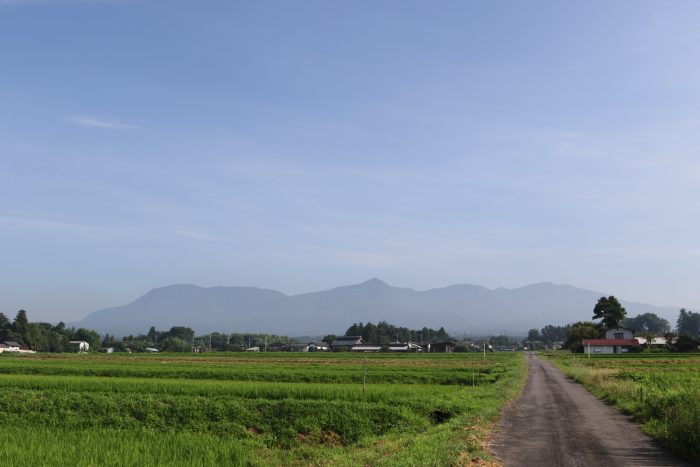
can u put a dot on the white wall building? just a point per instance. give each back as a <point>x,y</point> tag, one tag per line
<point>81,346</point>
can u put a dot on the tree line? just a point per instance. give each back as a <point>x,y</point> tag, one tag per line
<point>384,333</point>
<point>183,339</point>
<point>44,337</point>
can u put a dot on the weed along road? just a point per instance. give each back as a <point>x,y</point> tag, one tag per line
<point>556,422</point>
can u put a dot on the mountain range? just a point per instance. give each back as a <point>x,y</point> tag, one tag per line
<point>459,308</point>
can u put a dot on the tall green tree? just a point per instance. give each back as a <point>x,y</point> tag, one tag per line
<point>688,323</point>
<point>647,323</point>
<point>181,332</point>
<point>609,311</point>
<point>37,336</point>
<point>578,332</point>
<point>19,325</point>
<point>175,344</point>
<point>5,326</point>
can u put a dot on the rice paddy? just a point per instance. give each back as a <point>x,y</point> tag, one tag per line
<point>252,409</point>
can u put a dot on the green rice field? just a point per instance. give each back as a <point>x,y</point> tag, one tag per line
<point>252,409</point>
<point>661,391</point>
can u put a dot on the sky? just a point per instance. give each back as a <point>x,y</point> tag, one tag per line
<point>305,145</point>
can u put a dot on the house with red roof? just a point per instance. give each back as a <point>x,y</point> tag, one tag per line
<point>617,340</point>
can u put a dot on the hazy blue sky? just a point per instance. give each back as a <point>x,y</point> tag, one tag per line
<point>301,145</point>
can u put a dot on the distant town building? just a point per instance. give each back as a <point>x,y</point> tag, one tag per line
<point>318,346</point>
<point>16,347</point>
<point>655,341</point>
<point>80,346</point>
<point>405,347</point>
<point>346,343</point>
<point>9,346</point>
<point>446,346</point>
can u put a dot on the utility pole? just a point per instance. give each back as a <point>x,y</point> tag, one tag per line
<point>364,379</point>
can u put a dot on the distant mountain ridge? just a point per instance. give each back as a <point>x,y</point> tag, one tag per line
<point>459,308</point>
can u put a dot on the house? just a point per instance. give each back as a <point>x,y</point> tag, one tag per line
<point>12,346</point>
<point>80,346</point>
<point>346,343</point>
<point>619,333</point>
<point>617,340</point>
<point>405,347</point>
<point>317,346</point>
<point>657,341</point>
<point>9,346</point>
<point>446,346</point>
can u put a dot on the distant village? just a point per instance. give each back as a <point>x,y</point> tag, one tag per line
<point>615,333</point>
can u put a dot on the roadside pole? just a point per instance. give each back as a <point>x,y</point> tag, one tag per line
<point>364,379</point>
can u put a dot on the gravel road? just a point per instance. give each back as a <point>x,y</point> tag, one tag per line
<point>556,422</point>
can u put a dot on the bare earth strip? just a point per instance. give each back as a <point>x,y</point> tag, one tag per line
<point>556,422</point>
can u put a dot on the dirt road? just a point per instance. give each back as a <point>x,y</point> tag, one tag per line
<point>556,422</point>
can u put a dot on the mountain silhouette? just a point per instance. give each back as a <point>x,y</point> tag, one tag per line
<point>459,308</point>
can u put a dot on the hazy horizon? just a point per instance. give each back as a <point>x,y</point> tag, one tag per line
<point>302,146</point>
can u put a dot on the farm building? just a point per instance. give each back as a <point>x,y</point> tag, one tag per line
<point>295,347</point>
<point>655,341</point>
<point>80,346</point>
<point>316,346</point>
<point>9,346</point>
<point>440,347</point>
<point>405,347</point>
<point>346,343</point>
<point>366,348</point>
<point>12,346</point>
<point>617,340</point>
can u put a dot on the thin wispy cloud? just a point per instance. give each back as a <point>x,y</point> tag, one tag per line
<point>99,122</point>
<point>45,225</point>
<point>95,232</point>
